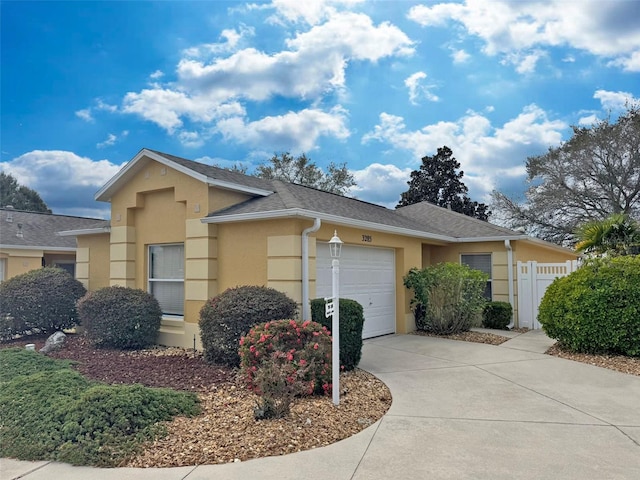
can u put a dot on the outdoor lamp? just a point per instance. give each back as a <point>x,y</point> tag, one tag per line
<point>335,245</point>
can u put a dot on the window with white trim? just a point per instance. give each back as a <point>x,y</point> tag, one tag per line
<point>482,262</point>
<point>166,277</point>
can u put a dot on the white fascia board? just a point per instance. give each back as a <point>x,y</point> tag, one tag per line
<point>491,239</point>
<point>335,219</point>
<point>104,194</point>
<point>84,231</point>
<point>49,249</point>
<point>212,182</point>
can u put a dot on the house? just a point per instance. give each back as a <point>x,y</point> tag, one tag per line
<point>185,232</point>
<point>29,240</point>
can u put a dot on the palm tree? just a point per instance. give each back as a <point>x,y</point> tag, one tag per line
<point>617,234</point>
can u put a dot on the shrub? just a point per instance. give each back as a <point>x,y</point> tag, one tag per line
<point>284,358</point>
<point>497,315</point>
<point>230,315</point>
<point>120,317</point>
<point>351,324</point>
<point>39,301</point>
<point>596,309</point>
<point>57,414</point>
<point>450,295</point>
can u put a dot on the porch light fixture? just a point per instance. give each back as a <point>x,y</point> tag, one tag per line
<point>335,245</point>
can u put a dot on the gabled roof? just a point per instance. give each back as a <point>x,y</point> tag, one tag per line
<point>32,230</point>
<point>212,176</point>
<point>278,199</point>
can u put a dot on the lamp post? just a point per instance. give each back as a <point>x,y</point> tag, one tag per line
<point>333,309</point>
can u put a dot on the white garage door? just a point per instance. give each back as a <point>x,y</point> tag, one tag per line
<point>367,275</point>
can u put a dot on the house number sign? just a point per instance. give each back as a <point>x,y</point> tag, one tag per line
<point>367,238</point>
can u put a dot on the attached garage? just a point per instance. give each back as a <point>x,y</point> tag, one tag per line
<point>367,275</point>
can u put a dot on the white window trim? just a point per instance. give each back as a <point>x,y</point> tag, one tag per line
<point>490,280</point>
<point>150,280</point>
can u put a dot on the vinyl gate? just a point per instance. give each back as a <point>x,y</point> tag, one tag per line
<point>533,280</point>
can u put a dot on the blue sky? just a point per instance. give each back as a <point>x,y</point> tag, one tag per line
<point>378,85</point>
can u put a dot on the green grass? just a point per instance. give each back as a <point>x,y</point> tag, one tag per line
<point>50,412</point>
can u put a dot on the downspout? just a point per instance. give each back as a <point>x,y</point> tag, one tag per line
<point>507,244</point>
<point>306,307</point>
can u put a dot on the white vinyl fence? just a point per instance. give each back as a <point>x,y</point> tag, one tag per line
<point>533,280</point>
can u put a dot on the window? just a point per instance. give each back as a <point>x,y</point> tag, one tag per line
<point>166,277</point>
<point>69,267</point>
<point>3,266</point>
<point>482,262</point>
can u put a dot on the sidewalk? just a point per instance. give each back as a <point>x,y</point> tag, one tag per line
<point>460,410</point>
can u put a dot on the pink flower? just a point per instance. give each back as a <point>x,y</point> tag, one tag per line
<point>289,357</point>
<point>241,341</point>
<point>315,346</point>
<point>306,323</point>
<point>252,348</point>
<point>303,362</point>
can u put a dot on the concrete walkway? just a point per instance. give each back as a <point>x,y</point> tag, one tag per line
<point>460,411</point>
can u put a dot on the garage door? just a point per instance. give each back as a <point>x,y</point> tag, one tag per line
<point>367,275</point>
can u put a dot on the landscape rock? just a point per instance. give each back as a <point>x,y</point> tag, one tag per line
<point>54,342</point>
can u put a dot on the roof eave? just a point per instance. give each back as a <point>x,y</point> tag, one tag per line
<point>39,247</point>
<point>335,219</point>
<point>83,231</point>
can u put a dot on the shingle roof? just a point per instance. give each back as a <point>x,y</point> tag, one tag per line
<point>423,217</point>
<point>455,224</point>
<point>40,229</point>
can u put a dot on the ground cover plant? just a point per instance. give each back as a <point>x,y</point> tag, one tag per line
<point>52,412</point>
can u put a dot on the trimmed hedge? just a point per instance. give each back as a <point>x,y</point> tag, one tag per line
<point>120,317</point>
<point>596,309</point>
<point>497,315</point>
<point>228,316</point>
<point>39,301</point>
<point>351,324</point>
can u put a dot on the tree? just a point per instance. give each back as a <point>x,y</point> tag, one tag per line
<point>303,171</point>
<point>438,182</point>
<point>19,196</point>
<point>617,234</point>
<point>591,176</point>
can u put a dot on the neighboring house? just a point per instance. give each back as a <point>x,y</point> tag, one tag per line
<point>29,240</point>
<point>185,232</point>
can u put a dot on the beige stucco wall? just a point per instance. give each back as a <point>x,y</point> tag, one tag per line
<point>93,261</point>
<point>20,261</point>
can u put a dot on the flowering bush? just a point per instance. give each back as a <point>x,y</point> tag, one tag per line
<point>285,358</point>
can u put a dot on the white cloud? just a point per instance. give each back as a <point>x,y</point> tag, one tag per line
<point>85,114</point>
<point>460,56</point>
<point>111,140</point>
<point>295,131</point>
<point>156,75</point>
<point>231,39</point>
<point>483,150</point>
<point>588,120</point>
<point>417,91</point>
<point>380,184</point>
<point>603,29</point>
<point>63,179</point>
<point>100,105</point>
<point>210,93</point>
<point>312,13</point>
<point>615,101</point>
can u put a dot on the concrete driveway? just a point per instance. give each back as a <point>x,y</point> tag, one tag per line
<point>460,410</point>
